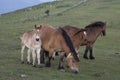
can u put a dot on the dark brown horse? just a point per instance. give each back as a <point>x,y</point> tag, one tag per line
<point>92,32</point>
<point>57,40</point>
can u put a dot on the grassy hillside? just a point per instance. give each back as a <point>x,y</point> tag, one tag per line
<point>106,66</point>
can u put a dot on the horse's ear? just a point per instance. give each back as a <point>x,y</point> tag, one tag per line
<point>40,26</point>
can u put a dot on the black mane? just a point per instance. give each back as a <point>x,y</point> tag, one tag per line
<point>96,24</point>
<point>69,43</point>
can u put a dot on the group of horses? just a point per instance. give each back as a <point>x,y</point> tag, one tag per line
<point>65,41</point>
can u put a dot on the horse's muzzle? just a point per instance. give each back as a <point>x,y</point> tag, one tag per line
<point>74,70</point>
<point>37,39</point>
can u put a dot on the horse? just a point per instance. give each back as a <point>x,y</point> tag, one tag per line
<point>93,30</point>
<point>32,41</point>
<point>57,40</point>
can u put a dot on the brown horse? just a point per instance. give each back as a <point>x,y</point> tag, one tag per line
<point>92,32</point>
<point>57,40</point>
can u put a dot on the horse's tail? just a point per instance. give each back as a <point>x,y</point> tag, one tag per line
<point>69,43</point>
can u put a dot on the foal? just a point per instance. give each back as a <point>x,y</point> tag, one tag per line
<point>32,41</point>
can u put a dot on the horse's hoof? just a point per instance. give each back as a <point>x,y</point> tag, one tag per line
<point>29,62</point>
<point>33,65</point>
<point>47,65</point>
<point>74,71</point>
<point>62,70</point>
<point>42,62</point>
<point>92,58</point>
<point>22,62</point>
<point>85,57</point>
<point>41,65</point>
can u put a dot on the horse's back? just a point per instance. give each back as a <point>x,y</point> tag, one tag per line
<point>56,37</point>
<point>70,30</point>
<point>27,35</point>
<point>57,41</point>
<point>27,39</point>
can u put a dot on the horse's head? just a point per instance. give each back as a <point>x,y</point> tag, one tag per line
<point>99,25</point>
<point>37,31</point>
<point>72,63</point>
<point>104,29</point>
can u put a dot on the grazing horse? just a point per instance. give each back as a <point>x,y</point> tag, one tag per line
<point>32,41</point>
<point>92,32</point>
<point>57,40</point>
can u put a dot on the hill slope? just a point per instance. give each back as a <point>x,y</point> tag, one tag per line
<point>104,67</point>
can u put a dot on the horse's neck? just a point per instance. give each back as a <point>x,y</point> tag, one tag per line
<point>46,34</point>
<point>94,32</point>
<point>78,39</point>
<point>98,31</point>
<point>29,39</point>
<point>28,35</point>
<point>51,29</point>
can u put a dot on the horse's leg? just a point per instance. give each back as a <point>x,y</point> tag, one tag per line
<point>86,51</point>
<point>42,61</point>
<point>77,50</point>
<point>33,56</point>
<point>22,52</point>
<point>28,56</point>
<point>53,56</point>
<point>61,63</point>
<point>91,53</point>
<point>48,63</point>
<point>38,56</point>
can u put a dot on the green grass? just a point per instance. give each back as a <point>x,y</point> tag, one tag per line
<point>106,66</point>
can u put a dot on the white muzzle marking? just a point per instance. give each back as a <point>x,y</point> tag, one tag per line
<point>37,37</point>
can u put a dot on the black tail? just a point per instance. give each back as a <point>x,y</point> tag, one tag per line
<point>69,43</point>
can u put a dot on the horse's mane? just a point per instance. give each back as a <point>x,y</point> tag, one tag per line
<point>69,43</point>
<point>47,26</point>
<point>68,26</point>
<point>96,24</point>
